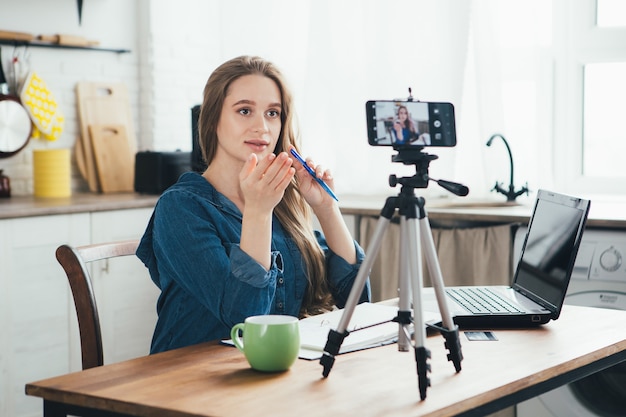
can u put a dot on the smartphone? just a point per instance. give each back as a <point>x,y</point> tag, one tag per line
<point>409,124</point>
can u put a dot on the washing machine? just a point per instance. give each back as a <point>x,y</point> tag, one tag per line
<point>598,280</point>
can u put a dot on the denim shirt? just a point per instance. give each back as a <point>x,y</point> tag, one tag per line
<point>207,283</point>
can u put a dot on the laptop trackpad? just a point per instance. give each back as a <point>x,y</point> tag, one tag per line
<point>430,304</point>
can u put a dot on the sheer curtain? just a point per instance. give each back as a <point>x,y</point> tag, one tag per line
<point>467,256</point>
<point>508,89</point>
<point>339,54</point>
<point>491,59</point>
<point>336,55</point>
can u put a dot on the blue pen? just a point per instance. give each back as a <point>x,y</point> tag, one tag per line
<point>310,171</point>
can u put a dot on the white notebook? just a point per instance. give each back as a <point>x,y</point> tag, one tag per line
<point>314,330</point>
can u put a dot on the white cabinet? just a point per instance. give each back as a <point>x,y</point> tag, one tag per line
<point>35,303</point>
<point>39,336</point>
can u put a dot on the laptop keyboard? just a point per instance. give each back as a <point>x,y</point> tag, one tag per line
<point>482,300</point>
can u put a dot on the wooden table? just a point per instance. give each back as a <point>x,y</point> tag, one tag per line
<point>215,380</point>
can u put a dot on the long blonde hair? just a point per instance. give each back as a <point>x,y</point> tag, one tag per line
<point>293,212</point>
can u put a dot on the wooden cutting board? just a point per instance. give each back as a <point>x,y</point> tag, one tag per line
<point>79,154</point>
<point>101,103</point>
<point>115,162</point>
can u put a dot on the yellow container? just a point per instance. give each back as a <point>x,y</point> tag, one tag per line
<point>52,173</point>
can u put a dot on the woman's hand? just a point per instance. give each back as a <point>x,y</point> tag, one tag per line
<point>312,192</point>
<point>326,209</point>
<point>263,182</point>
<point>263,185</point>
<point>398,128</point>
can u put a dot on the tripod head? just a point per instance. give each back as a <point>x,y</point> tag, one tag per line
<point>421,160</point>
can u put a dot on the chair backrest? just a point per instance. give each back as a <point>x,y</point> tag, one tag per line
<point>74,261</point>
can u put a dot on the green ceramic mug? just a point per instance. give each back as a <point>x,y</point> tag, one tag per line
<point>270,343</point>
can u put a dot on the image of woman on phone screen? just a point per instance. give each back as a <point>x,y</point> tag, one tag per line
<point>237,240</point>
<point>404,128</point>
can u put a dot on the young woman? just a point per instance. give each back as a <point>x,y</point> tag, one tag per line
<point>404,127</point>
<point>238,240</point>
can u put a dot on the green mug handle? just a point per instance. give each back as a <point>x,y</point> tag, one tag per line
<point>234,335</point>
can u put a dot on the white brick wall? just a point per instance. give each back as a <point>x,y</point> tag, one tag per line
<point>174,47</point>
<point>113,23</point>
<point>184,48</point>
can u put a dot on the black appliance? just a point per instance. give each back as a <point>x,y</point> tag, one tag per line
<point>197,161</point>
<point>156,171</point>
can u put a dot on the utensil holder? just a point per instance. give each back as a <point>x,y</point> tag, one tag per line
<point>52,173</point>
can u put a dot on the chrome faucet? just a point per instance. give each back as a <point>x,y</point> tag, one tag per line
<point>511,194</point>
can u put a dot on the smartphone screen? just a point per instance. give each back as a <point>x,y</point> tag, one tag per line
<point>407,124</point>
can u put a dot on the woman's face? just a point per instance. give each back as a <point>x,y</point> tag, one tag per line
<point>250,120</point>
<point>402,114</point>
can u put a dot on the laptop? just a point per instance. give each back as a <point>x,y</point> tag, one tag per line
<point>541,277</point>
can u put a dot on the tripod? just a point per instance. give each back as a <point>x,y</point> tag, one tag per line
<point>415,232</point>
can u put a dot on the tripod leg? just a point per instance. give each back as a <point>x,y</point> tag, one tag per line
<point>434,269</point>
<point>336,337</point>
<point>451,332</point>
<point>422,354</point>
<point>404,288</point>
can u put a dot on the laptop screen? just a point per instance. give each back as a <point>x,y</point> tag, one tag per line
<point>551,246</point>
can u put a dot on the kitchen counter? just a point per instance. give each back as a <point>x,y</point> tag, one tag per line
<point>605,214</point>
<point>28,206</point>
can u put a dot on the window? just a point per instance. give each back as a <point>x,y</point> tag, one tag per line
<point>611,13</point>
<point>604,140</point>
<point>590,63</point>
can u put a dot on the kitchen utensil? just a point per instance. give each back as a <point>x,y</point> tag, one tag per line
<point>42,107</point>
<point>64,39</point>
<point>15,123</point>
<point>114,161</point>
<point>79,3</point>
<point>16,36</point>
<point>86,162</point>
<point>5,185</point>
<point>19,69</point>
<point>100,103</point>
<point>79,156</point>
<point>52,173</point>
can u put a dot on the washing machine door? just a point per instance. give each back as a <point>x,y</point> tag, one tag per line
<point>601,394</point>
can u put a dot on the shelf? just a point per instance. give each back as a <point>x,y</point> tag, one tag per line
<point>36,44</point>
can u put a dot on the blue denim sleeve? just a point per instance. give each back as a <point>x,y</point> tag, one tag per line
<point>198,249</point>
<point>342,274</point>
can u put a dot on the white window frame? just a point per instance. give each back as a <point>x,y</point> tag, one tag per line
<point>577,42</point>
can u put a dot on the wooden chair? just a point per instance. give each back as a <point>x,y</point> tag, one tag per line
<point>74,261</point>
